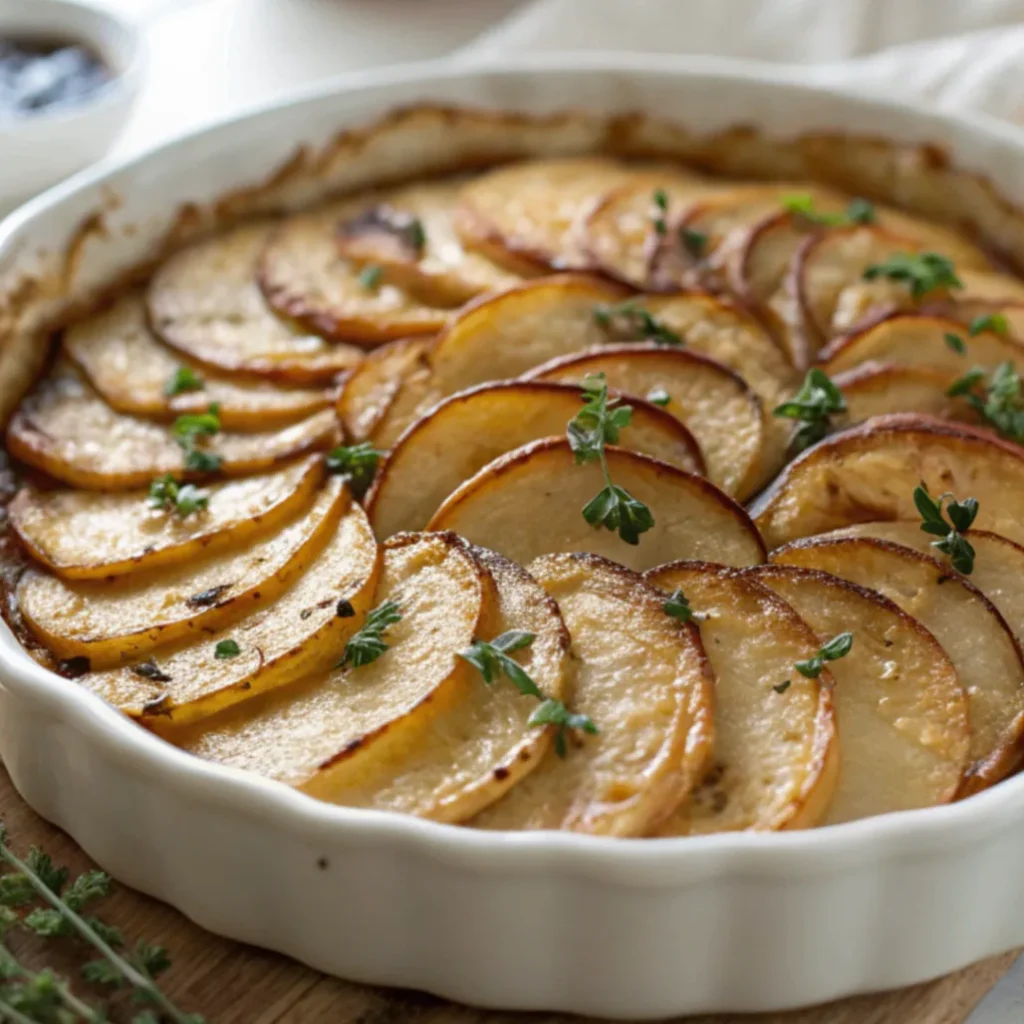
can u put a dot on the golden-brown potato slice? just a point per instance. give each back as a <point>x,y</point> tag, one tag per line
<point>65,429</point>
<point>96,535</point>
<point>302,632</point>
<point>619,234</point>
<point>715,403</point>
<point>973,633</point>
<point>372,388</point>
<point>134,372</point>
<point>919,340</point>
<point>319,733</point>
<point>655,725</point>
<point>528,216</point>
<point>529,503</point>
<point>469,430</point>
<point>305,278</point>
<point>869,473</point>
<point>205,302</point>
<point>112,622</point>
<point>776,754</point>
<point>998,564</point>
<point>877,389</point>
<point>902,713</point>
<point>439,271</point>
<point>482,744</point>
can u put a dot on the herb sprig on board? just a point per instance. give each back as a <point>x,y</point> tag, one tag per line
<point>166,494</point>
<point>838,647</point>
<point>190,431</point>
<point>183,379</point>
<point>358,463</point>
<point>598,423</point>
<point>492,659</point>
<point>961,517</point>
<point>367,645</point>
<point>813,406</point>
<point>858,211</point>
<point>921,272</point>
<point>999,401</point>
<point>38,897</point>
<point>627,321</point>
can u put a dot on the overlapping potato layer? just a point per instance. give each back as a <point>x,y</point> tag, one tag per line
<point>431,501</point>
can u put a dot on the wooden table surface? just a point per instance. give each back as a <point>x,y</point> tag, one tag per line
<point>234,984</point>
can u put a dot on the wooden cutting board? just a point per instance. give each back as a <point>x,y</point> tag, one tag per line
<point>234,984</point>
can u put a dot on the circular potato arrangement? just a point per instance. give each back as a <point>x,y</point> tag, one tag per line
<point>575,494</point>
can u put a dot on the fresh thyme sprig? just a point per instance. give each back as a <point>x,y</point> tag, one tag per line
<point>166,494</point>
<point>678,606</point>
<point>922,272</point>
<point>367,645</point>
<point>51,908</point>
<point>961,516</point>
<point>598,423</point>
<point>357,462</point>
<point>858,211</point>
<point>813,406</point>
<point>193,428</point>
<point>660,200</point>
<point>492,659</point>
<point>184,379</point>
<point>994,322</point>
<point>370,277</point>
<point>626,321</point>
<point>1000,404</point>
<point>695,243</point>
<point>838,647</point>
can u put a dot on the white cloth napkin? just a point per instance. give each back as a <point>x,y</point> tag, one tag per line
<point>953,53</point>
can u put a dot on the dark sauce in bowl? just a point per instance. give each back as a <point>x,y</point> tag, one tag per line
<point>39,77</point>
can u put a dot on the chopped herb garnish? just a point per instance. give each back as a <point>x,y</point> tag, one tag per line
<point>598,423</point>
<point>660,199</point>
<point>961,515</point>
<point>1000,403</point>
<point>955,342</point>
<point>416,234</point>
<point>813,406</point>
<point>995,322</point>
<point>838,647</point>
<point>628,321</point>
<point>922,272</point>
<point>366,645</point>
<point>678,606</point>
<point>783,686</point>
<point>693,242</point>
<point>227,649</point>
<point>184,379</point>
<point>167,494</point>
<point>554,712</point>
<point>370,277</point>
<point>858,211</point>
<point>358,463</point>
<point>659,396</point>
<point>190,430</point>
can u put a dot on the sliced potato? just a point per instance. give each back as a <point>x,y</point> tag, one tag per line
<point>998,564</point>
<point>619,234</point>
<point>776,754</point>
<point>716,404</point>
<point>205,302</point>
<point>919,340</point>
<point>528,216</point>
<point>529,503</point>
<point>902,713</point>
<point>95,535</point>
<point>134,372</point>
<point>876,389</point>
<point>862,301</point>
<point>111,622</point>
<point>655,726</point>
<point>318,734</point>
<point>371,389</point>
<point>869,473</point>
<point>482,744</point>
<point>973,633</point>
<point>468,431</point>
<point>305,278</point>
<point>439,271</point>
<point>66,430</point>
<point>302,632</point>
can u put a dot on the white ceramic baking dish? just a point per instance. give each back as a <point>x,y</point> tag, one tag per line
<point>619,928</point>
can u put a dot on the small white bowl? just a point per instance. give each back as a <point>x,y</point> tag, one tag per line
<point>39,149</point>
